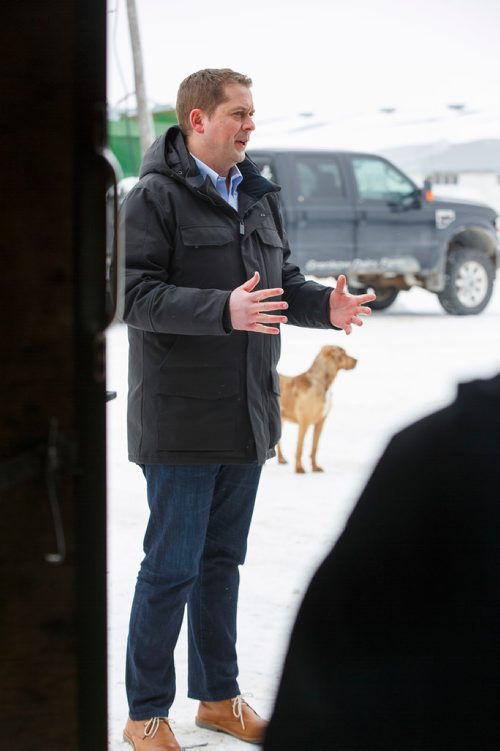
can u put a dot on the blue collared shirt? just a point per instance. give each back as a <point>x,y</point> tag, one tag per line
<point>220,184</point>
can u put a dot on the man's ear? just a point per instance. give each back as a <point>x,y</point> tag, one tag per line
<point>197,120</point>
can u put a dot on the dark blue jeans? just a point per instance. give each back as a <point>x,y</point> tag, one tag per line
<point>195,540</point>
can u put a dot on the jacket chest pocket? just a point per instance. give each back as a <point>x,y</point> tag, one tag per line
<point>209,256</point>
<point>272,250</point>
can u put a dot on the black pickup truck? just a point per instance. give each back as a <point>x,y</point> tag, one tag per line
<point>359,215</point>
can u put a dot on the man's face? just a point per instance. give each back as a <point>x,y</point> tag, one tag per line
<point>222,138</point>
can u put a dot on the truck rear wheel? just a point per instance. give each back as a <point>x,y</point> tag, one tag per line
<point>469,282</point>
<point>385,297</point>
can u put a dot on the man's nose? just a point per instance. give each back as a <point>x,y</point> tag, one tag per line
<point>249,123</point>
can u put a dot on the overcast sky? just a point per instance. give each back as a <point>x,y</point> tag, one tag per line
<point>321,56</point>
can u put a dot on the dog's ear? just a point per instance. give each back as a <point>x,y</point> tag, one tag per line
<point>337,353</point>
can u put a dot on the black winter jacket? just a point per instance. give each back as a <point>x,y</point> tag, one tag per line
<point>200,392</point>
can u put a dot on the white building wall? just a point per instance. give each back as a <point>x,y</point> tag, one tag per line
<point>474,186</point>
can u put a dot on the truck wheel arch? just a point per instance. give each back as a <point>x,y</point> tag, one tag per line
<point>476,238</point>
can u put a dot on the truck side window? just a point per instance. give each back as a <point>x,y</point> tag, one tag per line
<point>378,180</point>
<point>319,179</point>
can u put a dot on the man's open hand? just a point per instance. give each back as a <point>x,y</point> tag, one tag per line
<point>345,309</point>
<point>248,310</point>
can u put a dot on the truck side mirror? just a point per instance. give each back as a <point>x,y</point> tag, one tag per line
<point>411,200</point>
<point>427,190</point>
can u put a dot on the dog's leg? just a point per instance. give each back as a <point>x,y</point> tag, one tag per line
<point>281,458</point>
<point>317,432</point>
<point>300,443</point>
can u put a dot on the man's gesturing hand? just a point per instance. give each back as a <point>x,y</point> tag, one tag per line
<point>248,311</point>
<point>345,308</point>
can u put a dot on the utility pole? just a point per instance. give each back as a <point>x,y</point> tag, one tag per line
<point>146,128</point>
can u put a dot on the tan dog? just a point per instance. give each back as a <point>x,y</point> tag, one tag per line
<point>305,399</point>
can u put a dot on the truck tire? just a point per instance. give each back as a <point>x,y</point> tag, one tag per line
<point>385,297</point>
<point>470,276</point>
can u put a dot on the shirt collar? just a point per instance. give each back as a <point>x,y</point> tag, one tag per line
<point>235,175</point>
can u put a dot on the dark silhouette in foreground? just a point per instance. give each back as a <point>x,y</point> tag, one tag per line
<point>397,643</point>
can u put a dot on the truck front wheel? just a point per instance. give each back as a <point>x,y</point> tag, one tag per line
<point>469,282</point>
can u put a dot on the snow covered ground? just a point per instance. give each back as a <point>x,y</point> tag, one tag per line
<point>410,359</point>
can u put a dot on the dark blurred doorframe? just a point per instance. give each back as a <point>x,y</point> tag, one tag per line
<point>53,686</point>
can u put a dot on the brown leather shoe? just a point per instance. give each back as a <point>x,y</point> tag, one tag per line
<point>154,734</point>
<point>234,717</point>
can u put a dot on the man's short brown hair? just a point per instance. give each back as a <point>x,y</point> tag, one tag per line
<point>204,90</point>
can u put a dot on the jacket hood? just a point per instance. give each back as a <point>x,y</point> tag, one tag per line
<point>169,156</point>
<point>480,400</point>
